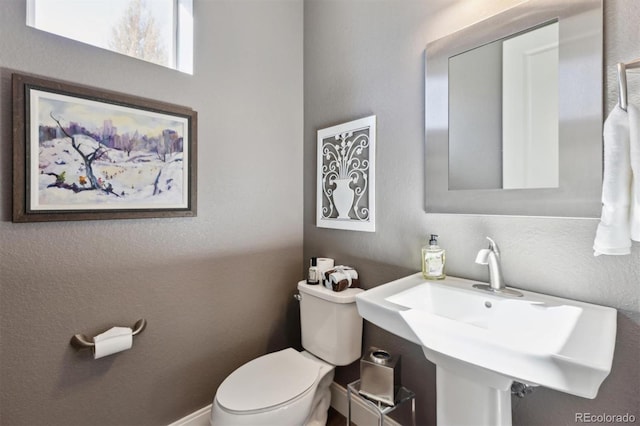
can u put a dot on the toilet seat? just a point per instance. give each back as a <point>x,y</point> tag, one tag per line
<point>268,381</point>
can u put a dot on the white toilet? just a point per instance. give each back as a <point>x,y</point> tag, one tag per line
<point>290,387</point>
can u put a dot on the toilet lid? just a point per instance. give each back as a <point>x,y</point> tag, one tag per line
<point>268,381</point>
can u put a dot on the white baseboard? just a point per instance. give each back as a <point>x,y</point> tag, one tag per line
<point>361,413</point>
<point>197,418</point>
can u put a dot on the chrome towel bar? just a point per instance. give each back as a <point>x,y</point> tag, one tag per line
<point>80,341</point>
<point>622,81</point>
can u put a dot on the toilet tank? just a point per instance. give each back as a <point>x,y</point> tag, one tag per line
<point>330,324</point>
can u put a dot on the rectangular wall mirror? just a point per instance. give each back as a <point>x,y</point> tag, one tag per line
<point>514,113</point>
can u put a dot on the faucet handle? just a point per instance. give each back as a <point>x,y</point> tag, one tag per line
<point>483,257</point>
<point>493,247</point>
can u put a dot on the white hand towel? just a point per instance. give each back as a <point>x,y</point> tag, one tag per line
<point>613,233</point>
<point>634,142</point>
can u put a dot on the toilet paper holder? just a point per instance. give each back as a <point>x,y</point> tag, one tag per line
<point>80,341</point>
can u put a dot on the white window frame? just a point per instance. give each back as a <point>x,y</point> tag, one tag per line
<point>181,49</point>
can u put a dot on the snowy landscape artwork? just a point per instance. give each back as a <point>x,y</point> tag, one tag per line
<point>86,154</point>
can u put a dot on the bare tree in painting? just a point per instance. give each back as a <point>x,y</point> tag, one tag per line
<point>88,160</point>
<point>138,35</point>
<point>166,146</point>
<point>128,142</point>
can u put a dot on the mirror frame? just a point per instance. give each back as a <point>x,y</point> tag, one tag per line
<point>579,111</point>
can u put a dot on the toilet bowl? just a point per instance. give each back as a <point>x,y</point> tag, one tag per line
<point>289,387</point>
<point>281,388</point>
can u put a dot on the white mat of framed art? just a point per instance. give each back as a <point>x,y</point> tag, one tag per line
<point>346,176</point>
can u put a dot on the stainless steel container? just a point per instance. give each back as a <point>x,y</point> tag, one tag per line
<point>379,376</point>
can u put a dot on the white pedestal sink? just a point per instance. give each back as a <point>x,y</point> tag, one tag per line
<point>482,342</point>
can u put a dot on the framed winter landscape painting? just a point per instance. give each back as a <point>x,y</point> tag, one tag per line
<point>346,176</point>
<point>81,153</point>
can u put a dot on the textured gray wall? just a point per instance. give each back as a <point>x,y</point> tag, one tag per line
<point>367,57</point>
<point>215,289</point>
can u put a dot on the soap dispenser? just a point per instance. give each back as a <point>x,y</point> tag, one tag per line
<point>433,258</point>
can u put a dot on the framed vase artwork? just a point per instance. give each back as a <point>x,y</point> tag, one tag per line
<point>346,176</point>
<point>82,153</point>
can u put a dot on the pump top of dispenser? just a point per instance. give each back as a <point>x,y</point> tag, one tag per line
<point>434,240</point>
<point>314,261</point>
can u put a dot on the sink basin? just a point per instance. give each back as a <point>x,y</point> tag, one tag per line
<point>535,339</point>
<point>509,325</point>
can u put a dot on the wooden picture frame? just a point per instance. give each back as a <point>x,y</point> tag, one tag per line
<point>81,153</point>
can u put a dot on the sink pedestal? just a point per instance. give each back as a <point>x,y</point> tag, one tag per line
<point>468,395</point>
<point>464,402</point>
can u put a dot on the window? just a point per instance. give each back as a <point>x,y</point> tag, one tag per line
<point>158,31</point>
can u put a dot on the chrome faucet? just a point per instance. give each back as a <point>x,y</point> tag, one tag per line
<point>491,257</point>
